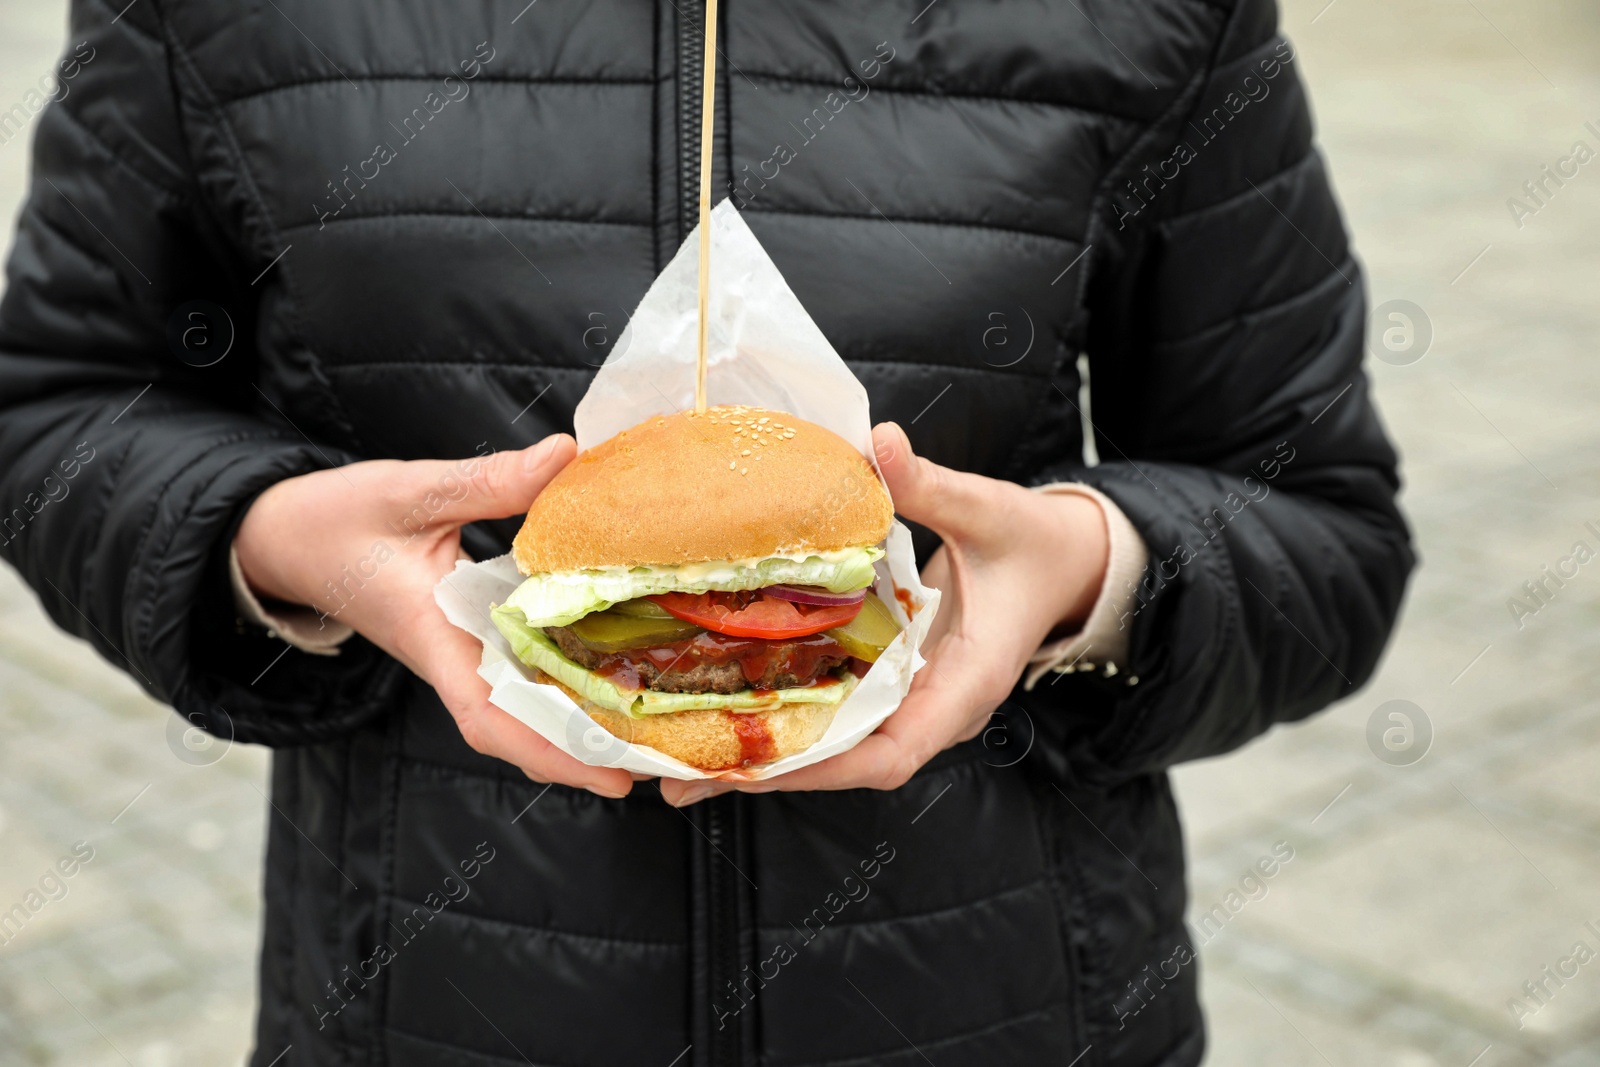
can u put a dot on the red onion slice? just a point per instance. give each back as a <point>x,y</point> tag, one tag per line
<point>813,594</point>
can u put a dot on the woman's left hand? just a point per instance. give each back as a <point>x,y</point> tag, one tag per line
<point>1015,565</point>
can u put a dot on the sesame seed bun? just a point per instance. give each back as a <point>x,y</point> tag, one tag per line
<point>724,484</point>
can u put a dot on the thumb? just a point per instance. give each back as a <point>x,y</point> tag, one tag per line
<point>496,486</point>
<point>954,504</point>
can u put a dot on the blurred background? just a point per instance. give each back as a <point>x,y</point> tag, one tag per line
<point>1443,824</point>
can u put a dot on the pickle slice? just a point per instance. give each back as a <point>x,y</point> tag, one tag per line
<point>869,633</point>
<point>608,631</point>
<point>642,608</point>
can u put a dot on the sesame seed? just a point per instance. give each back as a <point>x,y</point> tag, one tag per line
<point>758,458</point>
<point>744,470</point>
<point>761,420</point>
<point>746,452</point>
<point>732,463</point>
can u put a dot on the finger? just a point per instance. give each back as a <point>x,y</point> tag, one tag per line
<point>449,663</point>
<point>483,487</point>
<point>681,794</point>
<point>954,504</point>
<point>498,734</point>
<point>937,575</point>
<point>957,686</point>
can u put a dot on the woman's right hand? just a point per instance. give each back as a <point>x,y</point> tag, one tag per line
<point>383,533</point>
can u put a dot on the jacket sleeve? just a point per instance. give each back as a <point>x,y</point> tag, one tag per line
<point>1234,426</point>
<point>123,469</point>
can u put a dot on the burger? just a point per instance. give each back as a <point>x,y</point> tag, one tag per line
<point>701,584</point>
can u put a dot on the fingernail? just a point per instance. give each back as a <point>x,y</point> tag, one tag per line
<point>693,795</point>
<point>887,450</point>
<point>602,791</point>
<point>534,456</point>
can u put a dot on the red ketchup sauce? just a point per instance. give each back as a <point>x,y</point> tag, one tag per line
<point>755,740</point>
<point>904,596</point>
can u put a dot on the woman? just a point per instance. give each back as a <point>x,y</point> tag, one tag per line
<point>318,287</point>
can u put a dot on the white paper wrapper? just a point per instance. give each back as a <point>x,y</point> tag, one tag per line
<point>763,350</point>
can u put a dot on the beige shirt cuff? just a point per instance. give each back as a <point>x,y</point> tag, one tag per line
<point>304,628</point>
<point>1103,642</point>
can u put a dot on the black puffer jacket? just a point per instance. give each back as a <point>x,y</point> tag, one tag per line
<point>426,223</point>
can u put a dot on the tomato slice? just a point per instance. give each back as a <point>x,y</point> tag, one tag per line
<point>753,614</point>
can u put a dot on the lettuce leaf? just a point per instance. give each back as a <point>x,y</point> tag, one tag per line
<point>559,599</point>
<point>536,650</point>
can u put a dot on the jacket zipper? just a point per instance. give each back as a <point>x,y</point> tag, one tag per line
<point>717,924</point>
<point>691,54</point>
<point>724,926</point>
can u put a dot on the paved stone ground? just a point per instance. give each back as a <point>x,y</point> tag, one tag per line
<point>1419,898</point>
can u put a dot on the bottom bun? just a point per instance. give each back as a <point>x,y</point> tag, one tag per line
<point>716,739</point>
<point>713,739</point>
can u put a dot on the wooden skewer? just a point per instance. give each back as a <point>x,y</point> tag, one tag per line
<point>707,127</point>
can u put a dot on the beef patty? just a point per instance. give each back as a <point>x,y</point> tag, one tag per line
<point>701,677</point>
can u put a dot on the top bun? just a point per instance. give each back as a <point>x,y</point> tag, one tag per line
<point>724,484</point>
